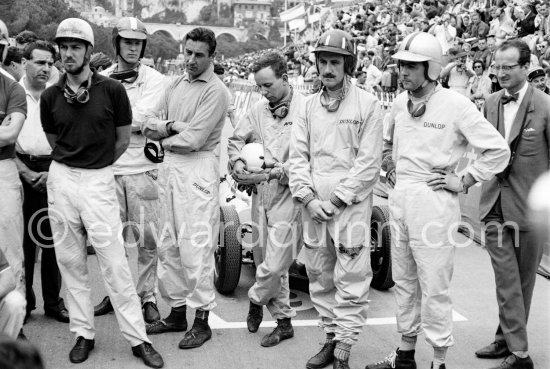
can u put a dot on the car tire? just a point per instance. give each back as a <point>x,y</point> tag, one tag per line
<point>229,252</point>
<point>381,248</point>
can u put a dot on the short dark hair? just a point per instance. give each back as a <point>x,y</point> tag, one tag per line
<point>13,55</point>
<point>202,34</point>
<point>479,61</point>
<point>219,69</point>
<point>359,72</point>
<point>19,354</point>
<point>273,60</point>
<point>38,45</point>
<point>26,37</point>
<point>99,59</point>
<point>521,46</point>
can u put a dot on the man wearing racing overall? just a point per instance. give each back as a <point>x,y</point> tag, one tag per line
<point>429,130</point>
<point>335,158</point>
<point>189,121</point>
<point>135,174</point>
<point>275,212</point>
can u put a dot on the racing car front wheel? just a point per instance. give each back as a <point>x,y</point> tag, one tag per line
<point>229,252</point>
<point>380,258</point>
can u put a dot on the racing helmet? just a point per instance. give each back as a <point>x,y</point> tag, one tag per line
<point>253,155</point>
<point>422,47</point>
<point>75,28</point>
<point>4,35</point>
<point>4,40</point>
<point>131,28</point>
<point>338,42</point>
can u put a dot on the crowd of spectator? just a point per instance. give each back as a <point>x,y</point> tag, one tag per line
<point>469,33</point>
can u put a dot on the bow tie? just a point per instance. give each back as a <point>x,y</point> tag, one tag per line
<point>507,98</point>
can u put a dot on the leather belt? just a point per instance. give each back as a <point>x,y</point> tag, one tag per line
<point>35,157</point>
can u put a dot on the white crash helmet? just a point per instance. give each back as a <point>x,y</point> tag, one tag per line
<point>75,28</point>
<point>253,155</point>
<point>4,40</point>
<point>422,47</point>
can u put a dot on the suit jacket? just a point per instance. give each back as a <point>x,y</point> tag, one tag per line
<point>527,26</point>
<point>532,155</point>
<point>480,30</point>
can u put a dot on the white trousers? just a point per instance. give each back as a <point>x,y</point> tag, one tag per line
<point>12,313</point>
<point>11,221</point>
<point>138,196</point>
<point>337,258</point>
<point>190,220</point>
<point>83,204</point>
<point>423,223</point>
<point>277,216</point>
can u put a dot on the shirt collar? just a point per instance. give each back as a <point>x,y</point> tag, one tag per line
<point>521,93</point>
<point>204,76</point>
<point>22,83</point>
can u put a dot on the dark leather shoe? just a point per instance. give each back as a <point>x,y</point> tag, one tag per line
<point>282,332</point>
<point>61,315</point>
<point>323,357</point>
<point>397,359</point>
<point>149,355</point>
<point>254,317</point>
<point>90,250</point>
<point>103,307</point>
<point>493,351</point>
<point>162,326</point>
<point>150,312</point>
<point>81,350</point>
<point>514,362</point>
<point>197,336</point>
<point>340,364</point>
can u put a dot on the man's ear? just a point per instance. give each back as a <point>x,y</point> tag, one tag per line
<point>285,78</point>
<point>213,55</point>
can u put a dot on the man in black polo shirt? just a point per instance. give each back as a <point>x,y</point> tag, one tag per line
<point>86,118</point>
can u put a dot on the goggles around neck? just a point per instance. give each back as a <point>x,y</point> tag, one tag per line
<point>417,112</point>
<point>81,96</point>
<point>281,110</point>
<point>126,76</point>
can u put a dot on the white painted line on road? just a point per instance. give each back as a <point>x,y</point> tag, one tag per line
<point>216,322</point>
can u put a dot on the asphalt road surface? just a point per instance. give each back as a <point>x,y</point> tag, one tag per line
<point>232,346</point>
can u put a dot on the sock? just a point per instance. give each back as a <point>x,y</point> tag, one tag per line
<point>341,351</point>
<point>330,338</point>
<point>408,343</point>
<point>202,315</point>
<point>521,354</point>
<point>439,356</point>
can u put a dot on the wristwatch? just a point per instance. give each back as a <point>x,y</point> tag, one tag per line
<point>169,130</point>
<point>464,187</point>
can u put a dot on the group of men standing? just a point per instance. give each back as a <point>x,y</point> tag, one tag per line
<point>323,156</point>
<point>328,163</point>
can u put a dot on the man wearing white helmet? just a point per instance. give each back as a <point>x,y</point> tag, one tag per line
<point>87,119</point>
<point>136,173</point>
<point>430,128</point>
<point>335,155</point>
<point>275,212</point>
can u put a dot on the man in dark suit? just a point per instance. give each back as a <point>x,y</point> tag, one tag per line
<point>522,115</point>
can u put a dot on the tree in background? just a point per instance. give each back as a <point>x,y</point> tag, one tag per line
<point>162,45</point>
